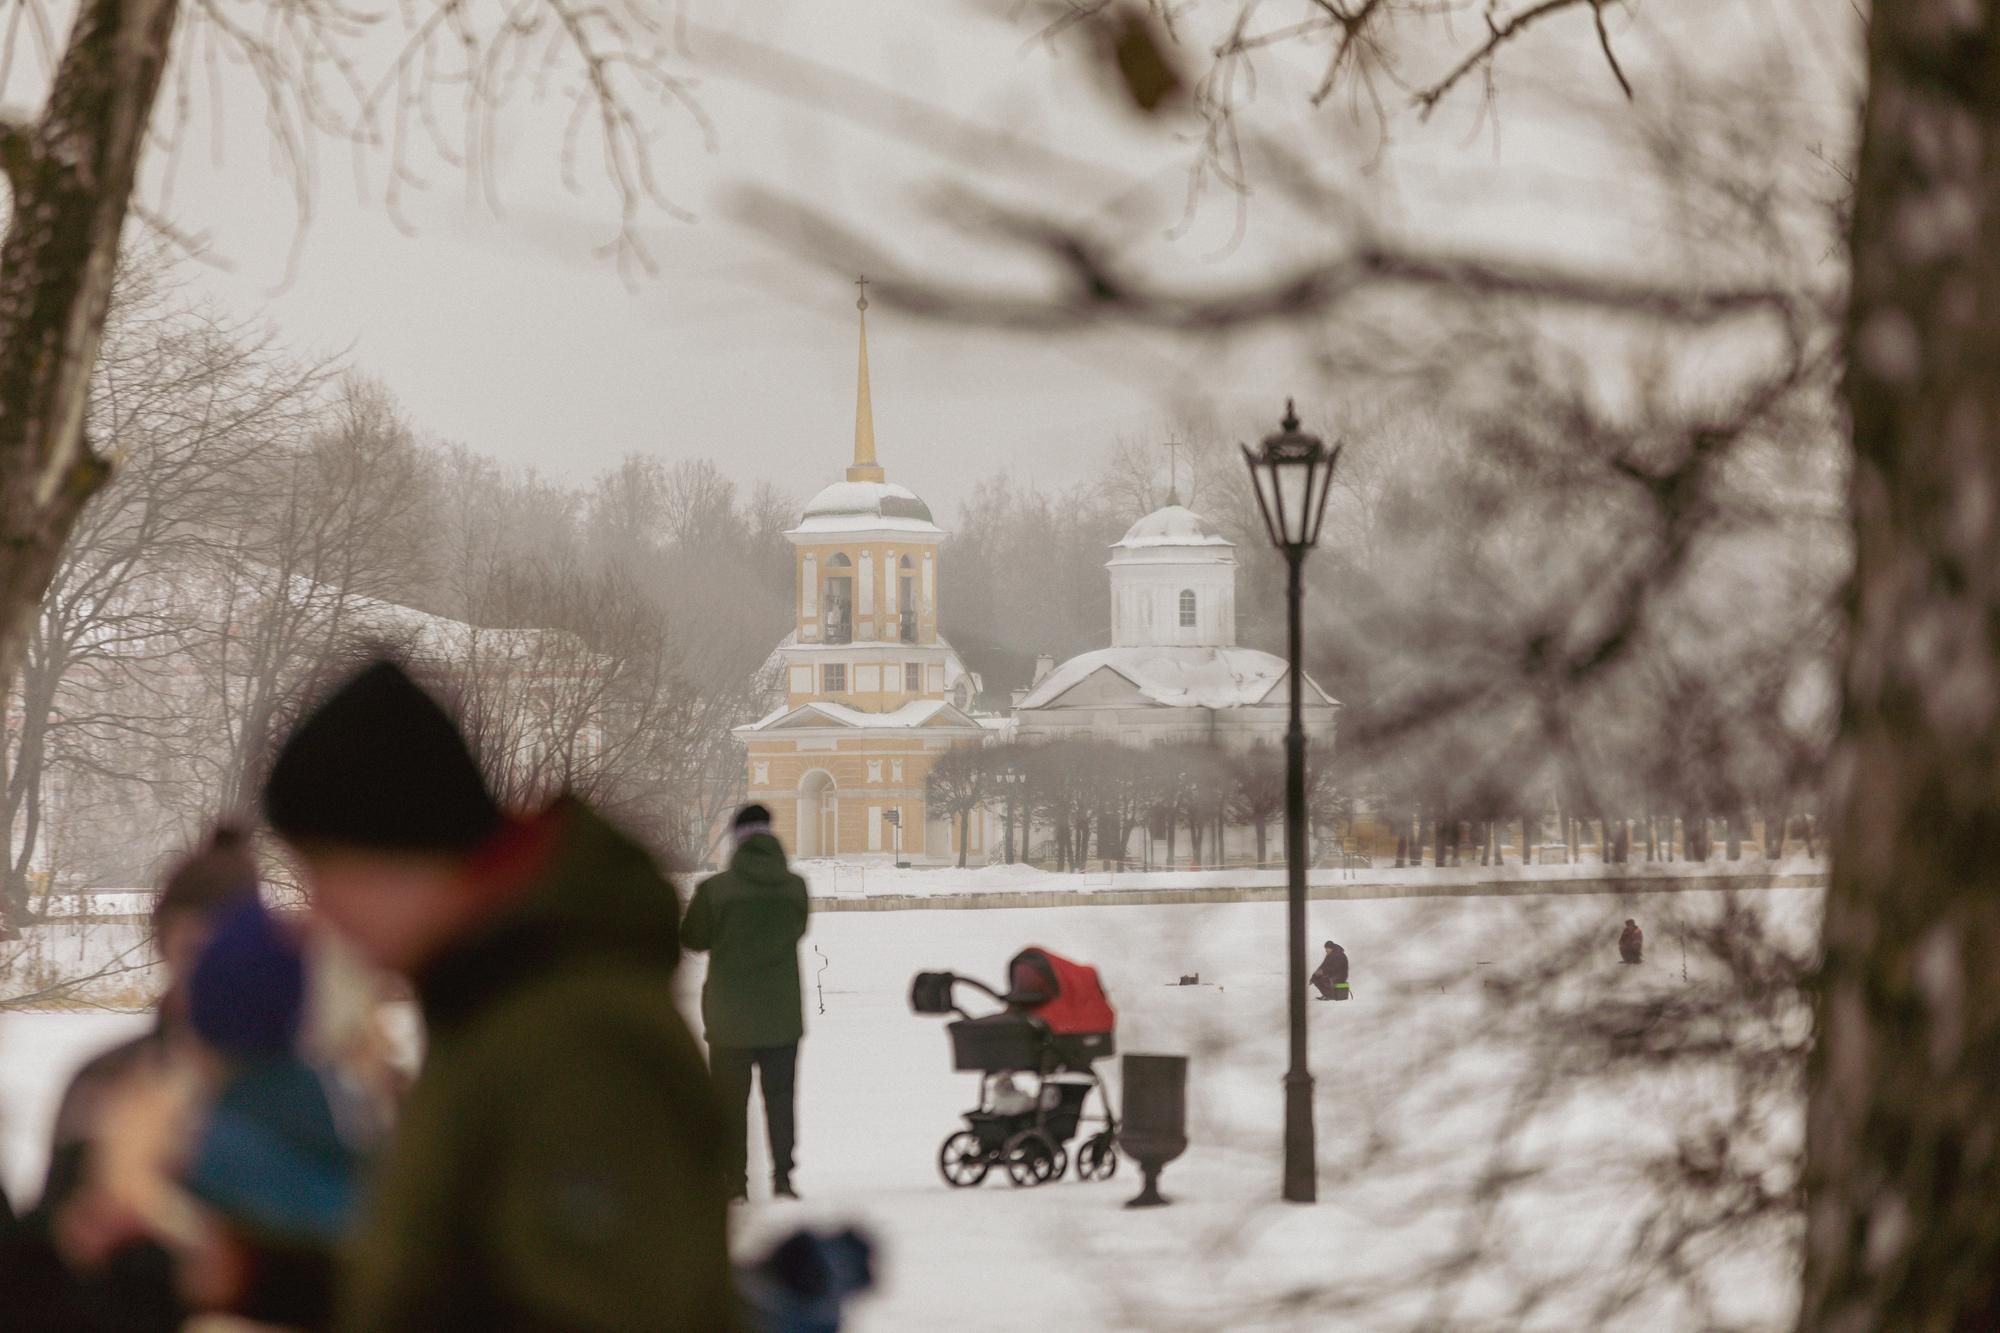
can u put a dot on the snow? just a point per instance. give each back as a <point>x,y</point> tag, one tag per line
<point>913,714</point>
<point>831,880</point>
<point>866,506</point>
<point>1411,1109</point>
<point>1191,677</point>
<point>1174,525</point>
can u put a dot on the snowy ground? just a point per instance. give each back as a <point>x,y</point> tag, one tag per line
<point>859,879</point>
<point>1410,1109</point>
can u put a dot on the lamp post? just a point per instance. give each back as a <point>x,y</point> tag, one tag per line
<point>1292,475</point>
<point>1010,782</point>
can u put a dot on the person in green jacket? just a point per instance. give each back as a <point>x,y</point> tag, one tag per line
<point>554,1167</point>
<point>750,919</point>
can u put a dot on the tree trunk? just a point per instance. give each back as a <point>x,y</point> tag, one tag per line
<point>1902,1178</point>
<point>1733,837</point>
<point>1262,842</point>
<point>1527,843</point>
<point>964,834</point>
<point>70,175</point>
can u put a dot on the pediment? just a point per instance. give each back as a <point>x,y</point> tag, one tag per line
<point>1104,687</point>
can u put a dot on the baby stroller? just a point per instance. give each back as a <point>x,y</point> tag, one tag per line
<point>1055,1024</point>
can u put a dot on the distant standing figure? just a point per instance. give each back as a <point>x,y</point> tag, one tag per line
<point>1632,943</point>
<point>1330,980</point>
<point>750,919</point>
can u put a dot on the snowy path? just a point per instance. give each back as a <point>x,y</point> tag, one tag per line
<point>877,1095</point>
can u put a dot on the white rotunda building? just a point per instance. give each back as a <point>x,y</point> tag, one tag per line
<point>1173,671</point>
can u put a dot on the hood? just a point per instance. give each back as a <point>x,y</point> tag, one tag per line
<point>598,894</point>
<point>760,860</point>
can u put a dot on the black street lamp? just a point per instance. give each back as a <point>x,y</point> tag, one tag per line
<point>1011,779</point>
<point>1293,474</point>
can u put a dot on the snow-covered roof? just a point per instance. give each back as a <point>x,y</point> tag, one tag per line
<point>1175,525</point>
<point>1179,677</point>
<point>866,506</point>
<point>917,713</point>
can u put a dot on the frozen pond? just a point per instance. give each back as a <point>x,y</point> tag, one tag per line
<point>1418,1080</point>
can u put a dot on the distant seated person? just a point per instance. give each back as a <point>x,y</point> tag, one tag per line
<point>1632,943</point>
<point>1330,980</point>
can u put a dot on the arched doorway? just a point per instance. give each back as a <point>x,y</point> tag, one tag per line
<point>819,815</point>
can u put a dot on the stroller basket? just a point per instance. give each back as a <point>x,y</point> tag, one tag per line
<point>994,1044</point>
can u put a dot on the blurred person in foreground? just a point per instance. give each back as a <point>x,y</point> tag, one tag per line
<point>750,919</point>
<point>86,1257</point>
<point>1631,943</point>
<point>554,1166</point>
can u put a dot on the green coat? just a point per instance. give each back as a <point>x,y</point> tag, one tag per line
<point>554,1166</point>
<point>750,919</point>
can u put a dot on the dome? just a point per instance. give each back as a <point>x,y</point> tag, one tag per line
<point>866,506</point>
<point>1175,525</point>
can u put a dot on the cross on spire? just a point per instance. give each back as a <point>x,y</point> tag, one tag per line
<point>861,282</point>
<point>1173,470</point>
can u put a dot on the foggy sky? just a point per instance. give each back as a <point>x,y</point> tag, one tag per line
<point>510,335</point>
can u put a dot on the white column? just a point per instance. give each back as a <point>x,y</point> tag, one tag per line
<point>930,582</point>
<point>809,588</point>
<point>889,582</point>
<point>866,573</point>
<point>874,828</point>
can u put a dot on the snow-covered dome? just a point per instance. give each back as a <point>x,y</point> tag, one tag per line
<point>1175,525</point>
<point>867,506</point>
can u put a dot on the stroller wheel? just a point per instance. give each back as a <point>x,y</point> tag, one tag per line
<point>1030,1158</point>
<point>1097,1159</point>
<point>1062,1162</point>
<point>962,1159</point>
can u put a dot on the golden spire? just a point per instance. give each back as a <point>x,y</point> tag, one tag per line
<point>865,467</point>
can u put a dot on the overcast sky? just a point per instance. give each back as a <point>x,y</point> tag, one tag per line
<point>510,334</point>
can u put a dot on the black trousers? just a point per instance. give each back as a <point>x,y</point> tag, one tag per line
<point>777,1069</point>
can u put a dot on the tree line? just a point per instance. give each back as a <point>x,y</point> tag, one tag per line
<point>271,520</point>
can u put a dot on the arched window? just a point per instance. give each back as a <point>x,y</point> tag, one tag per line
<point>839,560</point>
<point>1187,608</point>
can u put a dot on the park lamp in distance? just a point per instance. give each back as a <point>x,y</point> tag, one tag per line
<point>1293,475</point>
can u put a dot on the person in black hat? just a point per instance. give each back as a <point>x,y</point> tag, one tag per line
<point>556,1161</point>
<point>1330,977</point>
<point>750,919</point>
<point>1631,943</point>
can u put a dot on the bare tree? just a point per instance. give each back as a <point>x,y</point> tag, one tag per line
<point>189,402</point>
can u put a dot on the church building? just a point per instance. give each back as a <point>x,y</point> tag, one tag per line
<point>1173,671</point>
<point>872,694</point>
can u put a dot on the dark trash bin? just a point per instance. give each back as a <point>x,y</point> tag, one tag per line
<point>1153,1128</point>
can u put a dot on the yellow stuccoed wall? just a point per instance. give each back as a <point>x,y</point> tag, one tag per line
<point>886,554</point>
<point>848,766</point>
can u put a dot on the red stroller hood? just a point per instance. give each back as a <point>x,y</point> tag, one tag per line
<point>1079,1005</point>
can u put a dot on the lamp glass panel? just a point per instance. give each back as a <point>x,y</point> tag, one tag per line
<point>1294,479</point>
<point>1261,476</point>
<point>1316,498</point>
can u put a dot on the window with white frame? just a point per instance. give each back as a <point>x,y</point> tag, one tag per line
<point>833,678</point>
<point>1187,608</point>
<point>913,677</point>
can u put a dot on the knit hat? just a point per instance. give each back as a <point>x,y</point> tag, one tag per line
<point>751,820</point>
<point>380,764</point>
<point>247,995</point>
